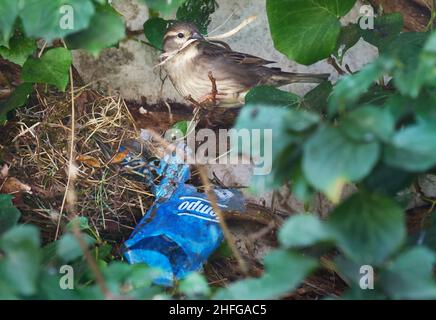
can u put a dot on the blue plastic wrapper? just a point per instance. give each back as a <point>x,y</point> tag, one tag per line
<point>180,230</point>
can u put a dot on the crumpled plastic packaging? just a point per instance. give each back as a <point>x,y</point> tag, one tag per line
<point>180,230</point>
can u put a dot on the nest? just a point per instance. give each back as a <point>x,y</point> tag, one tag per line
<point>35,144</point>
<point>38,154</point>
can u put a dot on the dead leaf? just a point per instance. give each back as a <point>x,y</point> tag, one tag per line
<point>120,156</point>
<point>89,161</point>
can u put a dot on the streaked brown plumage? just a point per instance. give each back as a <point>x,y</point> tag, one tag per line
<point>235,73</point>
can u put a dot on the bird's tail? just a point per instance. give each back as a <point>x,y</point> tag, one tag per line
<point>284,78</point>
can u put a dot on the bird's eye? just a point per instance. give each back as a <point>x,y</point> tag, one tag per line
<point>181,35</point>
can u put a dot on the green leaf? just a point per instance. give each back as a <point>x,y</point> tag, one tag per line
<point>386,28</point>
<point>53,68</point>
<point>154,30</point>
<point>182,126</point>
<point>306,31</point>
<point>283,273</point>
<point>270,96</point>
<point>68,247</point>
<point>47,19</point>
<point>348,38</point>
<point>9,215</point>
<point>410,275</point>
<point>81,222</point>
<point>19,49</point>
<point>9,11</point>
<point>350,88</point>
<point>413,148</point>
<point>21,264</point>
<point>368,123</point>
<point>406,50</point>
<point>106,29</point>
<point>316,99</point>
<point>17,99</point>
<point>164,7</point>
<point>387,180</point>
<point>368,228</point>
<point>194,286</point>
<point>197,12</point>
<point>303,230</point>
<point>331,160</point>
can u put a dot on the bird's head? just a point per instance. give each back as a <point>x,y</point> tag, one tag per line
<point>178,34</point>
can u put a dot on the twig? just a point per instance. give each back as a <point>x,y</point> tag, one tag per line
<point>232,32</point>
<point>226,231</point>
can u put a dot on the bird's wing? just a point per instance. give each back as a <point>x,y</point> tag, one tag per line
<point>213,51</point>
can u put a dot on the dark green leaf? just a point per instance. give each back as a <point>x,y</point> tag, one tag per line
<point>270,96</point>
<point>306,31</point>
<point>350,88</point>
<point>19,49</point>
<point>21,264</point>
<point>331,160</point>
<point>197,12</point>
<point>388,180</point>
<point>9,11</point>
<point>316,99</point>
<point>413,148</point>
<point>283,273</point>
<point>93,39</point>
<point>349,36</point>
<point>368,123</point>
<point>386,28</point>
<point>9,215</point>
<point>410,275</point>
<point>68,248</point>
<point>368,228</point>
<point>154,30</point>
<point>17,99</point>
<point>46,19</point>
<point>53,68</point>
<point>194,286</point>
<point>303,230</point>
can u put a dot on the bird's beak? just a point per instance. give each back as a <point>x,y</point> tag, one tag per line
<point>196,36</point>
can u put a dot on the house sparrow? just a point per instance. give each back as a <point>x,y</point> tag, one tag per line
<point>199,68</point>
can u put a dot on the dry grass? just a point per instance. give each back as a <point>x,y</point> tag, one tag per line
<point>37,149</point>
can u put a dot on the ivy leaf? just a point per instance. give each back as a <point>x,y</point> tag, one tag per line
<point>53,68</point>
<point>368,123</point>
<point>68,247</point>
<point>386,28</point>
<point>164,7</point>
<point>306,31</point>
<point>93,39</point>
<point>316,99</point>
<point>368,228</point>
<point>194,285</point>
<point>154,30</point>
<point>9,215</point>
<point>17,99</point>
<point>348,38</point>
<point>331,160</point>
<point>283,273</point>
<point>387,180</point>
<point>21,264</point>
<point>410,275</point>
<point>19,49</point>
<point>413,148</point>
<point>271,96</point>
<point>46,18</point>
<point>303,230</point>
<point>350,88</point>
<point>9,11</point>
<point>197,12</point>
<point>406,50</point>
